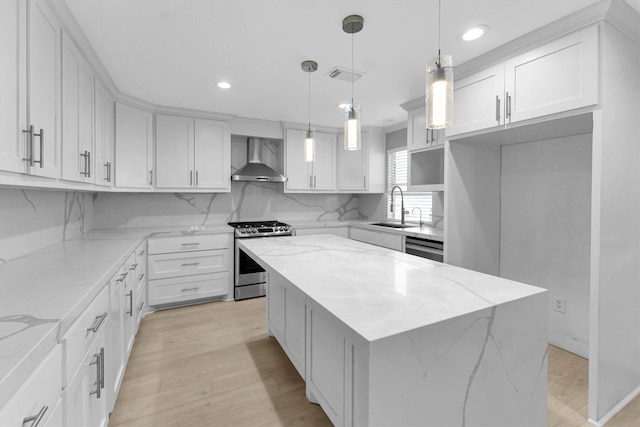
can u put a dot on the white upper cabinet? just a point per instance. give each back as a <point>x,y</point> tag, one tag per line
<point>134,147</point>
<point>44,76</point>
<point>362,171</point>
<point>559,76</point>
<point>478,101</point>
<point>78,154</point>
<point>555,77</point>
<point>104,128</point>
<point>319,175</point>
<point>192,154</point>
<point>12,86</point>
<point>418,136</point>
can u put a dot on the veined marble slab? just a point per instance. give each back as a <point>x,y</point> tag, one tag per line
<point>379,292</point>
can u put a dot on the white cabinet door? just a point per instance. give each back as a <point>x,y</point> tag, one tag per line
<point>128,302</point>
<point>417,129</point>
<point>103,135</point>
<point>555,77</point>
<point>478,101</point>
<point>117,360</point>
<point>324,166</point>
<point>13,87</point>
<point>134,130</point>
<point>44,77</point>
<point>174,152</point>
<point>352,166</point>
<point>294,327</point>
<point>275,304</point>
<point>297,170</point>
<point>212,155</point>
<point>85,398</point>
<point>77,108</point>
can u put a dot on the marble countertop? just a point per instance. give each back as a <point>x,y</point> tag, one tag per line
<point>44,292</point>
<point>424,231</point>
<point>379,292</point>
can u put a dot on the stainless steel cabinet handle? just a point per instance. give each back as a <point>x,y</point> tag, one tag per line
<point>190,244</point>
<point>41,161</point>
<point>89,164</point>
<point>315,181</point>
<point>29,153</point>
<point>190,178</point>
<point>187,264</point>
<point>196,178</point>
<point>133,266</point>
<point>35,419</point>
<point>195,288</point>
<point>101,367</point>
<point>96,361</point>
<point>151,177</point>
<point>84,168</point>
<point>498,109</point>
<point>140,277</point>
<point>122,276</point>
<point>106,165</point>
<point>97,323</point>
<point>508,114</point>
<point>141,252</point>
<point>310,181</point>
<point>109,169</point>
<point>130,295</point>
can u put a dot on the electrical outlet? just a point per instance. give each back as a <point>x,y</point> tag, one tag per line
<point>559,304</point>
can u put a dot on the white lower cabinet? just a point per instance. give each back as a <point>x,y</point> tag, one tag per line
<point>379,238</point>
<point>115,371</point>
<point>189,268</point>
<point>86,353</point>
<point>37,402</point>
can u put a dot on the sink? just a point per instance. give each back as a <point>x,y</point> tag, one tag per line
<point>394,225</point>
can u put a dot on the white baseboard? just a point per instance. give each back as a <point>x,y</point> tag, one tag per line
<point>566,343</point>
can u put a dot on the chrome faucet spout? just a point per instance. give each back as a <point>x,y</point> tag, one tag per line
<point>402,211</point>
<point>414,209</point>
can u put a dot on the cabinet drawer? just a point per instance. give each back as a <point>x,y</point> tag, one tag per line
<point>81,335</point>
<point>167,291</point>
<point>176,265</point>
<point>188,243</point>
<point>40,394</point>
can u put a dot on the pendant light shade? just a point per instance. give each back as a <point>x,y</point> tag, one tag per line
<point>352,24</point>
<point>439,93</point>
<point>309,143</point>
<point>352,127</point>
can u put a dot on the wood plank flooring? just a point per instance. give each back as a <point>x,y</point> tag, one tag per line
<point>214,365</point>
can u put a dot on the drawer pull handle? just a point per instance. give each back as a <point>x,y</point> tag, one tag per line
<point>102,367</point>
<point>141,252</point>
<point>122,276</point>
<point>130,295</point>
<point>97,360</point>
<point>187,264</point>
<point>133,266</point>
<point>140,277</point>
<point>35,419</point>
<point>195,288</point>
<point>98,322</point>
<point>190,244</point>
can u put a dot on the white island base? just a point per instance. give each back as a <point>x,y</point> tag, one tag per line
<point>387,339</point>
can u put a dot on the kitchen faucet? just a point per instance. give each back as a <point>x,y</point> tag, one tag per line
<point>402,211</point>
<point>413,210</point>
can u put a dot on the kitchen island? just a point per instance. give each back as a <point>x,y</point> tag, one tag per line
<point>383,338</point>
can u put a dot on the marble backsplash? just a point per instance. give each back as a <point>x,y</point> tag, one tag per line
<point>247,201</point>
<point>33,219</point>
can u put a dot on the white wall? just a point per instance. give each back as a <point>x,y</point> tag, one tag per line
<point>33,219</point>
<point>545,223</point>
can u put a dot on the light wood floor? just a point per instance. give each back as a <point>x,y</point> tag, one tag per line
<point>214,365</point>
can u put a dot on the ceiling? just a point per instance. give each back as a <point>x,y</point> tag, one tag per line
<point>173,52</point>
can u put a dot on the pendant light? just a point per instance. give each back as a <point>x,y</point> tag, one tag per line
<point>352,24</point>
<point>439,88</point>
<point>309,147</point>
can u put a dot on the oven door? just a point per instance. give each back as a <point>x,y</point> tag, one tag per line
<point>250,278</point>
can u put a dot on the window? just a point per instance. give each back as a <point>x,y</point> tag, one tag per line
<point>397,169</point>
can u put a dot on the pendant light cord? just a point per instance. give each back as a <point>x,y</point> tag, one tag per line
<point>439,61</point>
<point>309,72</point>
<point>352,32</point>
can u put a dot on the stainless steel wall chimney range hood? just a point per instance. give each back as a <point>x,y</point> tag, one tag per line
<point>255,170</point>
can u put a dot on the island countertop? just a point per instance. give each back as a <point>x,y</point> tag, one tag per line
<point>379,292</point>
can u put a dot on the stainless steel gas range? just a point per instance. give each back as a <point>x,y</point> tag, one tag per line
<point>250,279</point>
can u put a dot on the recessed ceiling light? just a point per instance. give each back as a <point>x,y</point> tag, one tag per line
<point>224,85</point>
<point>474,32</point>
